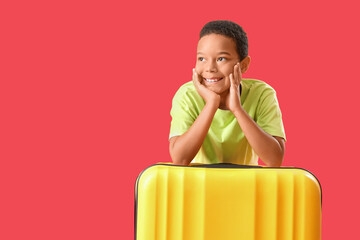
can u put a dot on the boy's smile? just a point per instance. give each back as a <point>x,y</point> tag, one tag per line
<point>213,80</point>
<point>216,58</point>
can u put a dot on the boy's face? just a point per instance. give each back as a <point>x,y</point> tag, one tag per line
<point>216,58</point>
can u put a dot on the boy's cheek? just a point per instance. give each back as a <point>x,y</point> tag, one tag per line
<point>227,82</point>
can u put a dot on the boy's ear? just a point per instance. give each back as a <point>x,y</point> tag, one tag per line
<point>244,64</point>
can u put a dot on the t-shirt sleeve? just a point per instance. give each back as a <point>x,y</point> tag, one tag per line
<point>269,116</point>
<point>182,114</point>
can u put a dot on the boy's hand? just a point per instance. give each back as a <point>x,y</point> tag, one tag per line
<point>233,102</point>
<point>208,95</point>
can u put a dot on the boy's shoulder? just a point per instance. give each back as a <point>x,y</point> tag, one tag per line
<point>255,84</point>
<point>188,86</point>
<point>187,89</point>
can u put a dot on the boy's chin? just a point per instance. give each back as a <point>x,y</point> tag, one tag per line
<point>218,90</point>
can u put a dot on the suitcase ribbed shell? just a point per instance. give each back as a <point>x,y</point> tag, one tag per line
<point>205,203</point>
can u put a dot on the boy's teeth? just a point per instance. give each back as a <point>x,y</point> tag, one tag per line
<point>212,80</point>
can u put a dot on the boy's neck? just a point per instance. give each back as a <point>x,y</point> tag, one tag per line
<point>223,96</point>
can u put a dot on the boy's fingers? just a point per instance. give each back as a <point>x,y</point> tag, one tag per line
<point>236,72</point>
<point>232,81</point>
<point>240,75</point>
<point>196,79</point>
<point>194,76</point>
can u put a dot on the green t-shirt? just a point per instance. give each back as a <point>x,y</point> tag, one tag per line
<point>225,142</point>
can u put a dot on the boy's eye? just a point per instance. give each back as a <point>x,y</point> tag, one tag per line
<point>220,59</point>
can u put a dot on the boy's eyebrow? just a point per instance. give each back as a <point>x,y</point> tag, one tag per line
<point>217,53</point>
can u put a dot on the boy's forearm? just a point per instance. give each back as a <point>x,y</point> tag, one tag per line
<point>265,146</point>
<point>186,146</point>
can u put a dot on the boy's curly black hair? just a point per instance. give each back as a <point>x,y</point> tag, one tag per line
<point>228,29</point>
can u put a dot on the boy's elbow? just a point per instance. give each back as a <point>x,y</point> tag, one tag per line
<point>176,158</point>
<point>275,162</point>
<point>275,158</point>
<point>274,165</point>
<point>180,162</point>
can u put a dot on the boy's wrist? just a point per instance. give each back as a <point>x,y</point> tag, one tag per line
<point>213,104</point>
<point>212,100</point>
<point>239,111</point>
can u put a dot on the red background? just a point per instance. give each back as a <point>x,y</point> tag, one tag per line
<point>86,89</point>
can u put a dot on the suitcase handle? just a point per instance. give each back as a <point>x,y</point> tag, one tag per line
<point>225,165</point>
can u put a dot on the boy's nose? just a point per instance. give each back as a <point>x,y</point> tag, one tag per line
<point>211,67</point>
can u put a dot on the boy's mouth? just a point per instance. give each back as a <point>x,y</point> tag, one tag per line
<point>212,80</point>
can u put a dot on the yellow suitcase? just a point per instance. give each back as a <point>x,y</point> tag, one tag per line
<point>226,202</point>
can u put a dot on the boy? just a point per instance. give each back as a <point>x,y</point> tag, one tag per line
<point>220,117</point>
